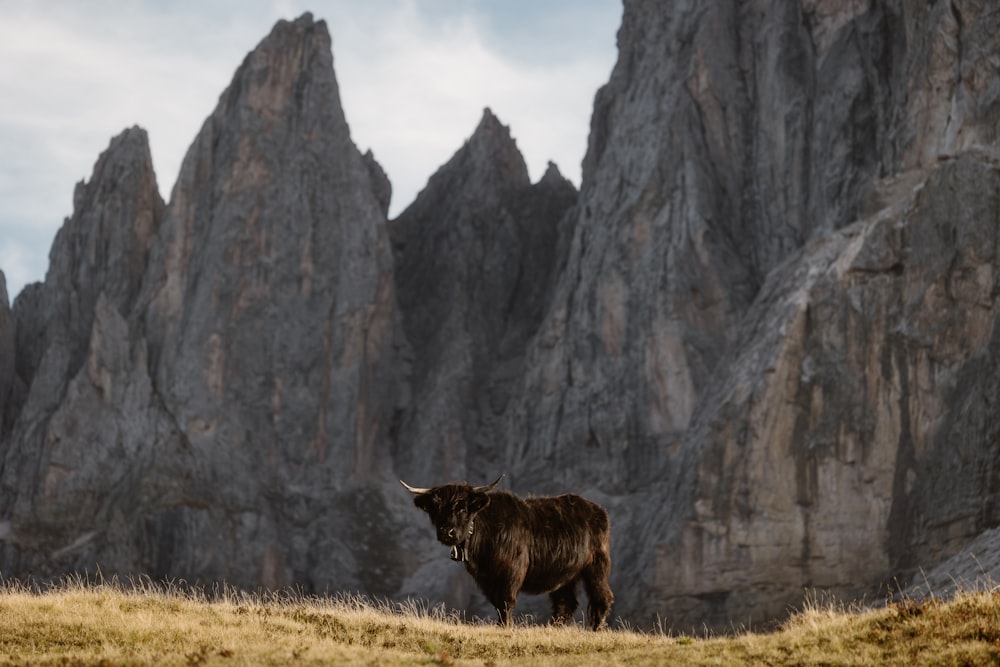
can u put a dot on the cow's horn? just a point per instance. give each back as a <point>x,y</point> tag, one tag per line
<point>414,490</point>
<point>488,487</point>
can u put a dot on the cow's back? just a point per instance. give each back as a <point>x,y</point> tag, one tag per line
<point>567,516</point>
<point>560,534</point>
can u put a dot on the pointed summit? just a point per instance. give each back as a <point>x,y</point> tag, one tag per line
<point>274,205</point>
<point>116,215</point>
<point>486,167</point>
<point>493,150</point>
<point>290,71</point>
<point>103,247</point>
<point>490,125</point>
<point>276,151</point>
<point>270,314</point>
<point>552,176</point>
<point>475,255</point>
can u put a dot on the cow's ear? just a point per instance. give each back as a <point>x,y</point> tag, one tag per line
<point>424,501</point>
<point>477,502</point>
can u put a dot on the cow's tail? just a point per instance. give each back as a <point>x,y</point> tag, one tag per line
<point>595,579</point>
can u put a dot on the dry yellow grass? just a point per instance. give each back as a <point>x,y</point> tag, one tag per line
<point>105,624</point>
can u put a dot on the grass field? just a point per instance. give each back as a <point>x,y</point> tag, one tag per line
<point>106,624</point>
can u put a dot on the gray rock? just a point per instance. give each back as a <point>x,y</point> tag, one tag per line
<point>212,396</point>
<point>827,457</point>
<point>269,306</point>
<point>729,153</point>
<point>380,181</point>
<point>67,459</point>
<point>101,249</point>
<point>975,568</point>
<point>7,339</point>
<point>476,256</point>
<point>29,342</point>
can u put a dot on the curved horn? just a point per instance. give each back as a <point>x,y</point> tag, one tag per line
<point>414,490</point>
<point>488,487</point>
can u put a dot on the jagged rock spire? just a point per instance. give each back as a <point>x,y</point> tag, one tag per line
<point>244,338</point>
<point>475,259</point>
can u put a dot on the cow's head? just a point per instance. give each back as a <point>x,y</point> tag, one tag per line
<point>452,507</point>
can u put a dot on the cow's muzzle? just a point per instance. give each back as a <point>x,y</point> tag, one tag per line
<point>450,536</point>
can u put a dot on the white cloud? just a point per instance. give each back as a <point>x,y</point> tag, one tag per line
<point>414,79</point>
<point>419,90</point>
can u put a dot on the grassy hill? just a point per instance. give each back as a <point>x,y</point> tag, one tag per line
<point>103,624</point>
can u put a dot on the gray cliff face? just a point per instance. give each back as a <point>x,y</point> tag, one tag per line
<point>476,255</point>
<point>271,320</point>
<point>6,358</point>
<point>68,460</point>
<point>210,398</point>
<point>743,157</point>
<point>101,249</point>
<point>271,285</point>
<point>729,141</point>
<point>849,441</point>
<point>715,153</point>
<point>762,333</point>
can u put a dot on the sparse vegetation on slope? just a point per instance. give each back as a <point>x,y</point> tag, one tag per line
<point>85,624</point>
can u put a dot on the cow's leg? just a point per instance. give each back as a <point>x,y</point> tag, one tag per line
<point>564,603</point>
<point>506,582</point>
<point>505,609</point>
<point>599,595</point>
<point>502,595</point>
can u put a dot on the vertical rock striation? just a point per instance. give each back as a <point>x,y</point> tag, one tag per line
<point>476,255</point>
<point>211,394</point>
<point>81,434</point>
<point>734,154</point>
<point>714,155</point>
<point>270,315</point>
<point>731,142</point>
<point>849,440</point>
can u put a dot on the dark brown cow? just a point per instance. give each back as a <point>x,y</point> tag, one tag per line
<point>536,545</point>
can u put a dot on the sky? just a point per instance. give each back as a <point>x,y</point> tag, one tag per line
<point>414,76</point>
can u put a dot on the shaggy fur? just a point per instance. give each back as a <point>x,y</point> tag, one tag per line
<point>535,545</point>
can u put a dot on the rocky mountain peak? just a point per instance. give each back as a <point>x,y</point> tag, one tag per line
<point>552,175</point>
<point>278,128</point>
<point>245,336</point>
<point>492,150</point>
<point>116,215</point>
<point>475,255</point>
<point>276,216</point>
<point>100,250</point>
<point>491,130</point>
<point>283,71</point>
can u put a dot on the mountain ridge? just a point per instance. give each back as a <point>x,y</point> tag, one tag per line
<point>762,332</point>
